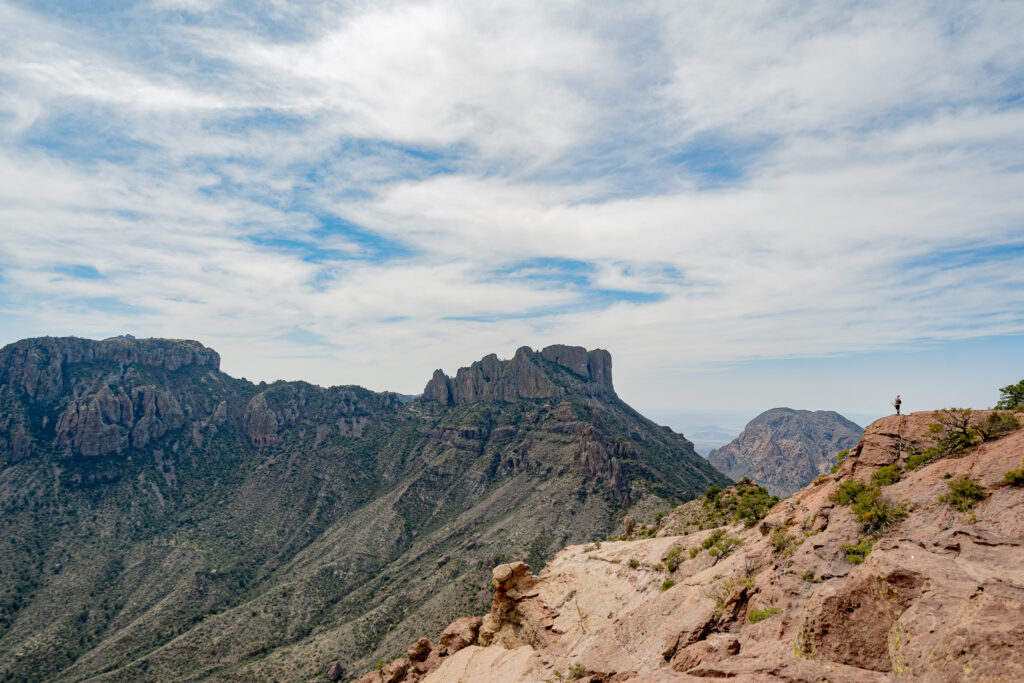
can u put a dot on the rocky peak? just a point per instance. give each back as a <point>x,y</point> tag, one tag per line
<point>527,375</point>
<point>784,449</point>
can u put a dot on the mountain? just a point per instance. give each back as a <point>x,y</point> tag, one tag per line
<point>784,449</point>
<point>906,564</point>
<point>163,520</point>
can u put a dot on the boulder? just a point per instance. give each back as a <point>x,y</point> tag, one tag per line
<point>459,634</point>
<point>335,671</point>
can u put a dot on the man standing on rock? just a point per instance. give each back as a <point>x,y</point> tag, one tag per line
<point>897,403</point>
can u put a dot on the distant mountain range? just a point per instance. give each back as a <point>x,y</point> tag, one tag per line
<point>785,449</point>
<point>163,520</point>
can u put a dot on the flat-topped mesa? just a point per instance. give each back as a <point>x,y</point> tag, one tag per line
<point>549,373</point>
<point>36,365</point>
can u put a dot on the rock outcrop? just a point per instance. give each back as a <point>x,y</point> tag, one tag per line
<point>260,422</point>
<point>811,593</point>
<point>108,422</point>
<point>37,365</point>
<point>525,376</point>
<point>784,449</point>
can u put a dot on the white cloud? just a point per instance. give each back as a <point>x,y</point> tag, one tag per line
<point>875,141</point>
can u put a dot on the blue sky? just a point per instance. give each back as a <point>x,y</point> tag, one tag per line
<point>749,204</point>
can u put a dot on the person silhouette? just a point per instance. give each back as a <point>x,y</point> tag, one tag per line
<point>897,403</point>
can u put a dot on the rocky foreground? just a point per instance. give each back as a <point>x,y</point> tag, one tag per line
<point>907,562</point>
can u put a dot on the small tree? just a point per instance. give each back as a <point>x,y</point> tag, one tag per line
<point>1011,396</point>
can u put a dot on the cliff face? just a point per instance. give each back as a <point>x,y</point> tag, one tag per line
<point>784,449</point>
<point>526,376</point>
<point>160,520</point>
<point>818,590</point>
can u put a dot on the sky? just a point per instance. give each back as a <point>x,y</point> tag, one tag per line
<point>756,204</point>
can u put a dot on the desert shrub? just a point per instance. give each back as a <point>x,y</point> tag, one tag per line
<point>997,424</point>
<point>782,543</point>
<point>964,493</point>
<point>874,511</point>
<point>841,457</point>
<point>715,536</point>
<point>847,491</point>
<point>672,558</point>
<point>921,459</point>
<point>746,502</point>
<point>718,544</point>
<point>885,476</point>
<point>808,576</point>
<point>729,590</point>
<point>712,494</point>
<point>634,563</point>
<point>727,544</point>
<point>666,584</point>
<point>694,552</point>
<point>576,671</point>
<point>856,552</point>
<point>1015,477</point>
<point>820,478</point>
<point>762,614</point>
<point>954,431</point>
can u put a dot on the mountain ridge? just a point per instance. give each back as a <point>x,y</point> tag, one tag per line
<point>162,519</point>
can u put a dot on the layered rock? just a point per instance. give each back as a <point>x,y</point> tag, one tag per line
<point>784,449</point>
<point>491,379</point>
<point>937,597</point>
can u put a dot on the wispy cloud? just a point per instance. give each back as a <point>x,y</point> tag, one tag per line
<point>361,193</point>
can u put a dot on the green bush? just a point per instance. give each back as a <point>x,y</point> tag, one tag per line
<point>634,563</point>
<point>672,559</point>
<point>857,552</point>
<point>874,511</point>
<point>1015,477</point>
<point>715,536</point>
<point>782,543</point>
<point>712,494</point>
<point>762,614</point>
<point>808,576</point>
<point>921,459</point>
<point>841,457</point>
<point>869,507</point>
<point>848,491</point>
<point>964,493</point>
<point>666,584</point>
<point>998,424</point>
<point>746,502</point>
<point>886,476</point>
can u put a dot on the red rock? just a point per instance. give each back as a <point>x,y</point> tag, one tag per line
<point>459,634</point>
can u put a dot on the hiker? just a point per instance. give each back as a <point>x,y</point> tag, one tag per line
<point>897,403</point>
